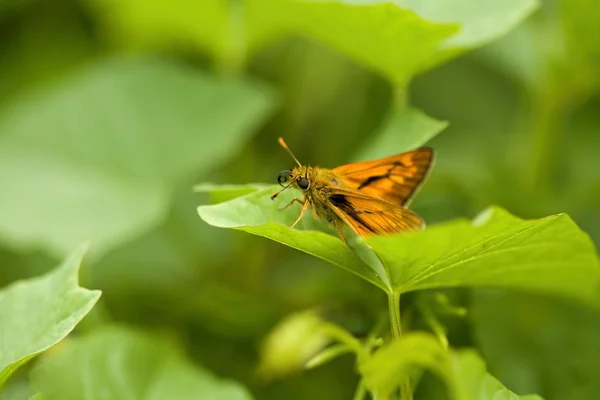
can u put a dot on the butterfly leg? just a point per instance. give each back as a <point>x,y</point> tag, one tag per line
<point>292,202</point>
<point>304,208</point>
<point>339,229</point>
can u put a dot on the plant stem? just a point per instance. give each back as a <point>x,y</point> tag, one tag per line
<point>394,310</point>
<point>396,326</point>
<point>361,391</point>
<point>401,97</point>
<point>233,57</point>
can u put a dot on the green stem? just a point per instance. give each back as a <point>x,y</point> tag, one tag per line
<point>401,97</point>
<point>395,320</point>
<point>232,59</point>
<point>361,391</point>
<point>396,326</point>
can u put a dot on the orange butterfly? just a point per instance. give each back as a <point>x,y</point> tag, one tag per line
<point>369,196</point>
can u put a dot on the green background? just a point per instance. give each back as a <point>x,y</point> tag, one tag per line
<point>111,112</point>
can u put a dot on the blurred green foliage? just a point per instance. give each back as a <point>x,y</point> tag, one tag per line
<point>110,112</point>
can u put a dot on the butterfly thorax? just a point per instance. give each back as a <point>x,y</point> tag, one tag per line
<point>322,182</point>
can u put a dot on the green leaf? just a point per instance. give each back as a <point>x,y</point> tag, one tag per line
<point>39,312</point>
<point>463,372</point>
<point>384,37</point>
<point>256,213</point>
<point>120,363</point>
<point>291,343</point>
<point>107,152</point>
<point>404,130</point>
<point>481,21</point>
<point>472,382</point>
<point>550,255</point>
<point>379,35</point>
<point>394,363</point>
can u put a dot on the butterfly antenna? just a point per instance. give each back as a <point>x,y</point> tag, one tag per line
<point>287,186</point>
<point>282,143</point>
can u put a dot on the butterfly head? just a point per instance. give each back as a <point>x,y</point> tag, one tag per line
<point>296,177</point>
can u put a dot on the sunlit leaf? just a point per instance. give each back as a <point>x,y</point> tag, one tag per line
<point>384,37</point>
<point>120,363</point>
<point>392,364</point>
<point>380,35</point>
<point>481,21</point>
<point>403,130</point>
<point>106,149</point>
<point>463,372</point>
<point>472,382</point>
<point>498,250</point>
<point>38,313</point>
<point>256,213</point>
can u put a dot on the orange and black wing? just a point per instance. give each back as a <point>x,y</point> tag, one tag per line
<point>367,215</point>
<point>394,179</point>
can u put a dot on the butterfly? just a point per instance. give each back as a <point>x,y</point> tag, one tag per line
<point>369,196</point>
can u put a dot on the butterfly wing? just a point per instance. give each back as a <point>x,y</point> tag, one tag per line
<point>394,179</point>
<point>368,215</point>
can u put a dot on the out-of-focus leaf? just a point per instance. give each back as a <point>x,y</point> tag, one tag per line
<point>463,372</point>
<point>107,148</point>
<point>291,344</point>
<point>539,344</point>
<point>472,382</point>
<point>403,130</point>
<point>394,363</point>
<point>38,313</point>
<point>120,363</point>
<point>380,35</point>
<point>481,21</point>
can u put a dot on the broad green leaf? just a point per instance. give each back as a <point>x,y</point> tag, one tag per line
<point>497,250</point>
<point>394,363</point>
<point>382,36</point>
<point>120,363</point>
<point>472,382</point>
<point>481,22</point>
<point>107,148</point>
<point>38,313</point>
<point>386,38</point>
<point>404,130</point>
<point>538,344</point>
<point>463,372</point>
<point>549,255</point>
<point>256,213</point>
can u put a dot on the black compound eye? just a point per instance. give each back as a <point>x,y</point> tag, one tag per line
<point>284,176</point>
<point>303,183</point>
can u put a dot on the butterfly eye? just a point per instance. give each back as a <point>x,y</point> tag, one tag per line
<point>303,183</point>
<point>283,176</point>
